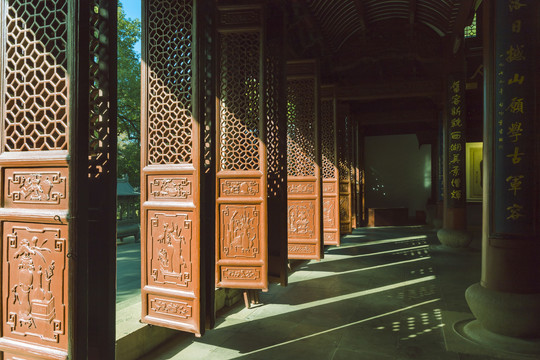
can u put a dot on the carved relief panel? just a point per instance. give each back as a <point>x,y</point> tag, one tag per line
<point>304,180</point>
<point>34,260</point>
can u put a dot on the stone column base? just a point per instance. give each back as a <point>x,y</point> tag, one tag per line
<point>454,238</point>
<point>508,314</point>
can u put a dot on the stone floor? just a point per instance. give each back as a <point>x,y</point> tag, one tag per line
<point>386,293</point>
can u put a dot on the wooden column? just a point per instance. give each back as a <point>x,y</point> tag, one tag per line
<point>507,300</point>
<point>329,165</point>
<point>304,188</point>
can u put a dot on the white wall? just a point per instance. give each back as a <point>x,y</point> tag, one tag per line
<point>398,173</point>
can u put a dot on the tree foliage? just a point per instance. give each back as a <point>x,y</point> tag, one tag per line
<point>129,98</point>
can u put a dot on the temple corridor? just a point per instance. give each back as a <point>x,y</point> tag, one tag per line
<point>386,293</point>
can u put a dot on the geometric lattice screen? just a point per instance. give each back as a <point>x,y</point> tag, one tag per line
<point>304,188</point>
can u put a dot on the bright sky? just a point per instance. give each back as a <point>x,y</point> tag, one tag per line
<point>133,10</point>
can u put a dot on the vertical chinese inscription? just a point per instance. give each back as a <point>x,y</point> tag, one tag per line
<point>455,181</point>
<point>514,114</point>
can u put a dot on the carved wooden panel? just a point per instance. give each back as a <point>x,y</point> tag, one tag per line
<point>329,166</point>
<point>345,167</point>
<point>304,185</point>
<point>36,58</point>
<point>171,176</point>
<point>242,235</point>
<point>35,283</point>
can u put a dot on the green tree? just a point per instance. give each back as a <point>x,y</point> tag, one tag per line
<point>129,97</point>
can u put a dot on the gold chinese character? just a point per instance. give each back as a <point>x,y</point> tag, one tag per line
<point>515,183</point>
<point>457,122</point>
<point>455,147</point>
<point>455,171</point>
<point>455,194</point>
<point>455,159</point>
<point>516,26</point>
<point>515,212</point>
<point>515,5</point>
<point>515,53</point>
<point>455,86</point>
<point>516,156</point>
<point>456,111</point>
<point>456,99</point>
<point>516,79</point>
<point>516,105</point>
<point>515,130</point>
<point>455,135</point>
<point>456,182</point>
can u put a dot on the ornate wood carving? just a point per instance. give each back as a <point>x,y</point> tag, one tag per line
<point>28,187</point>
<point>304,195</point>
<point>171,177</point>
<point>329,166</point>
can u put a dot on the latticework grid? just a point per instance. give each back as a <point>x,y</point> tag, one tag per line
<point>301,127</point>
<point>170,81</point>
<point>328,139</point>
<point>239,97</point>
<point>35,72</point>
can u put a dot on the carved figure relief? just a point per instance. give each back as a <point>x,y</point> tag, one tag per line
<point>328,213</point>
<point>241,188</point>
<point>170,235</point>
<point>301,219</point>
<point>170,188</point>
<point>30,187</point>
<point>240,231</point>
<point>35,265</point>
<point>296,188</point>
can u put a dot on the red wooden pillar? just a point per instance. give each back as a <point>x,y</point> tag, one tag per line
<point>329,166</point>
<point>305,240</point>
<point>344,166</point>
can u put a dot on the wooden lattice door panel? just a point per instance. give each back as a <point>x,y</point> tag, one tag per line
<point>171,167</point>
<point>304,188</point>
<point>43,161</point>
<point>344,167</point>
<point>330,182</point>
<point>241,206</point>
